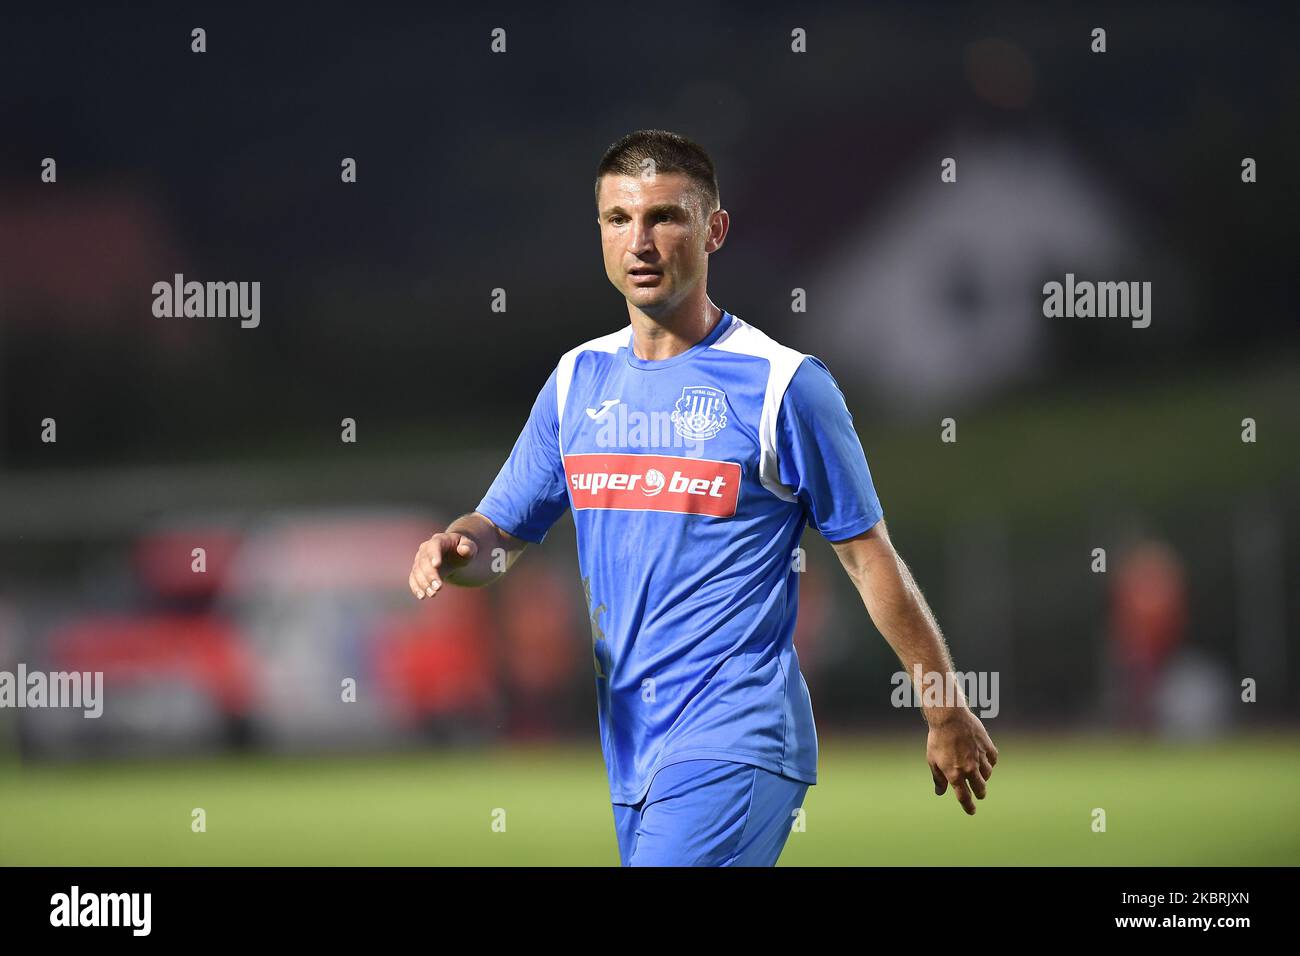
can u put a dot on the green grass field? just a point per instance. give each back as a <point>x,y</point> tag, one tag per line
<point>1230,803</point>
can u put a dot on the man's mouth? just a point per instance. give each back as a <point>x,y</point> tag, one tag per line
<point>645,275</point>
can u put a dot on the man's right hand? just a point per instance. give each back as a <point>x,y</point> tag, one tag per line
<point>440,557</point>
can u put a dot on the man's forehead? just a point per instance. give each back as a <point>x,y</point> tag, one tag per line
<point>628,191</point>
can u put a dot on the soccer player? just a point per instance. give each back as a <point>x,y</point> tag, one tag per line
<point>693,450</point>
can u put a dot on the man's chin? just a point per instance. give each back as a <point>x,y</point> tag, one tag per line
<point>648,300</point>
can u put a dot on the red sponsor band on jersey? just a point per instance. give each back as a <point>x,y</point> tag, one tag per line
<point>697,486</point>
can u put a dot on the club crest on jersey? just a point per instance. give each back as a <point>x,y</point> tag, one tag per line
<point>700,413</point>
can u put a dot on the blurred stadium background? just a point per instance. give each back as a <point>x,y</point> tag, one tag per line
<point>1119,690</point>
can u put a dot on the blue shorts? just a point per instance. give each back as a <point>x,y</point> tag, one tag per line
<point>709,813</point>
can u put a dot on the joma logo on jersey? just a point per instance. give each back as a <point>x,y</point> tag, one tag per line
<point>693,486</point>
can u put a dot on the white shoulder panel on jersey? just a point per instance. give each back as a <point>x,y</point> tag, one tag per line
<point>782,362</point>
<point>610,343</point>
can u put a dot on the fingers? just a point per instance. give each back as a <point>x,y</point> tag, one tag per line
<point>988,757</point>
<point>423,573</point>
<point>426,577</point>
<point>424,581</point>
<point>977,785</point>
<point>940,781</point>
<point>435,558</point>
<point>962,792</point>
<point>466,548</point>
<point>969,782</point>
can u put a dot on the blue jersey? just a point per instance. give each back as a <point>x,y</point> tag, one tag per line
<point>691,480</point>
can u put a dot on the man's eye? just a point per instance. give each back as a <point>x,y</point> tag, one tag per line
<point>665,217</point>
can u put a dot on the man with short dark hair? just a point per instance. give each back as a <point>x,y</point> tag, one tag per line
<point>693,450</point>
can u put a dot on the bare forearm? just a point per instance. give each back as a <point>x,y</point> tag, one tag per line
<point>957,747</point>
<point>900,612</point>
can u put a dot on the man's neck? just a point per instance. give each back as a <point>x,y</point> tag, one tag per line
<point>657,338</point>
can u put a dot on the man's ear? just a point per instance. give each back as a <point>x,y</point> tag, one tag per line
<point>719,225</point>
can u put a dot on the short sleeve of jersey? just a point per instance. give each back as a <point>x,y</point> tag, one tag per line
<point>820,456</point>
<point>530,493</point>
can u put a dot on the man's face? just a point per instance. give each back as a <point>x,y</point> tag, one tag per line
<point>656,237</point>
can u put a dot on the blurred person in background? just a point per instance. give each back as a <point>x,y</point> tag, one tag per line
<point>1148,619</point>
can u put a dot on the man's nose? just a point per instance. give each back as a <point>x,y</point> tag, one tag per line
<point>642,239</point>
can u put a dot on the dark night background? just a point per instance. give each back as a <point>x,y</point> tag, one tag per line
<point>475,172</point>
